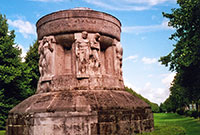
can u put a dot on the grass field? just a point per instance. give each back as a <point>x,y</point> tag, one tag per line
<point>2,132</point>
<point>174,124</point>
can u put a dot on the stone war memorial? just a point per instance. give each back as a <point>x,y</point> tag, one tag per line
<point>81,89</point>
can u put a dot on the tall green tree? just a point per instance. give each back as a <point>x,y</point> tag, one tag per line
<point>178,93</point>
<point>32,59</point>
<point>185,57</point>
<point>14,75</point>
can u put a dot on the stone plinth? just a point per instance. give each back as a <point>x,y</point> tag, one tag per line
<point>81,89</point>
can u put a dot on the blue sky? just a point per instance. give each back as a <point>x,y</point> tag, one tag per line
<point>145,35</point>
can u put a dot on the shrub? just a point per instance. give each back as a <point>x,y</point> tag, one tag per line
<point>194,114</point>
<point>180,111</point>
<point>188,113</point>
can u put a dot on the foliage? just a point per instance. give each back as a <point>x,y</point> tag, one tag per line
<point>162,108</point>
<point>154,106</point>
<point>31,59</point>
<point>194,114</point>
<point>174,124</point>
<point>180,111</point>
<point>14,75</point>
<point>185,57</point>
<point>177,96</point>
<point>167,106</point>
<point>186,20</point>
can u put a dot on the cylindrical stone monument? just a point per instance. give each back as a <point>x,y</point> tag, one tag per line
<point>81,89</point>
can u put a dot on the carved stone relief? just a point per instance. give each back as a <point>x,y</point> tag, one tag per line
<point>87,50</point>
<point>46,56</point>
<point>118,62</point>
<point>45,50</point>
<point>95,62</point>
<point>109,60</point>
<point>82,51</point>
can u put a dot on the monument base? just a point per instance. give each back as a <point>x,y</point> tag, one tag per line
<point>80,112</point>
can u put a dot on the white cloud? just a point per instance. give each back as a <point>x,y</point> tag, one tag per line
<point>160,95</point>
<point>116,5</point>
<point>165,25</point>
<point>24,51</point>
<point>132,58</point>
<point>148,2</point>
<point>155,95</point>
<point>127,5</point>
<point>147,85</point>
<point>132,86</point>
<point>128,84</point>
<point>9,33</point>
<point>143,38</point>
<point>146,60</point>
<point>150,76</point>
<point>48,0</point>
<point>153,17</point>
<point>24,27</point>
<point>168,78</point>
<point>148,28</point>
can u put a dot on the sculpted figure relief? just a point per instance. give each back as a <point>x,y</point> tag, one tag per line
<point>45,51</point>
<point>82,53</point>
<point>88,55</point>
<point>95,54</point>
<point>119,54</point>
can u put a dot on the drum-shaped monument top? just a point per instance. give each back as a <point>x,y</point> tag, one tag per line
<point>78,20</point>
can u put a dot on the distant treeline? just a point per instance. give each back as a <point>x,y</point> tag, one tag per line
<point>154,106</point>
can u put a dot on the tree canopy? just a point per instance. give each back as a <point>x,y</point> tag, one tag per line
<point>184,59</point>
<point>31,59</point>
<point>186,21</point>
<point>14,74</point>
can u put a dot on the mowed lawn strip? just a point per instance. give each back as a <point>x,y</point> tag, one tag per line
<point>174,124</point>
<point>2,132</point>
<point>191,125</point>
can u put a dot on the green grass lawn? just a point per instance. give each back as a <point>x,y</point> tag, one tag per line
<point>174,124</point>
<point>2,132</point>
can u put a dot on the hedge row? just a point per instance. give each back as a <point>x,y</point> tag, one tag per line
<point>194,114</point>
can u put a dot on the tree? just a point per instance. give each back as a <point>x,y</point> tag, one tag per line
<point>32,59</point>
<point>14,75</point>
<point>168,106</point>
<point>178,93</point>
<point>185,57</point>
